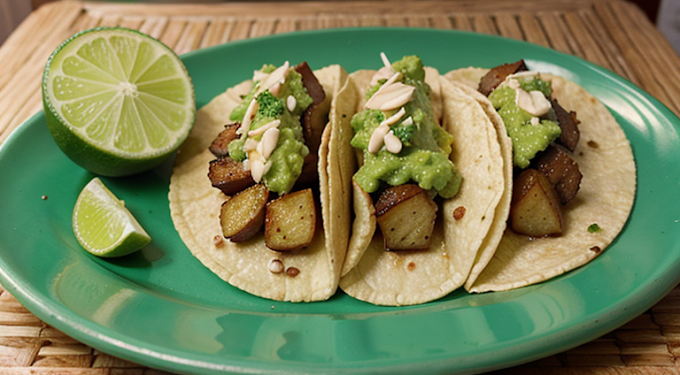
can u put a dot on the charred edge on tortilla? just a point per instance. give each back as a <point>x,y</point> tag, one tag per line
<point>229,176</point>
<point>219,146</point>
<point>290,221</point>
<point>498,74</point>
<point>555,163</point>
<point>242,215</point>
<point>406,215</point>
<point>535,209</point>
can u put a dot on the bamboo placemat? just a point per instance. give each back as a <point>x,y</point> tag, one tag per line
<point>613,34</point>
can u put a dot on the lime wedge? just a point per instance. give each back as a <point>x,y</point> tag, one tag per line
<point>117,101</point>
<point>102,224</point>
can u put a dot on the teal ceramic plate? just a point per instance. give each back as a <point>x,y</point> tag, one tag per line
<point>162,308</point>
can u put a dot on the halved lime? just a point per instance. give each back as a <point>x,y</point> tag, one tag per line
<point>103,225</point>
<point>117,101</point>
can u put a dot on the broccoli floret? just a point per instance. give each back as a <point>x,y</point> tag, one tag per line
<point>411,67</point>
<point>372,90</point>
<point>404,133</point>
<point>270,106</point>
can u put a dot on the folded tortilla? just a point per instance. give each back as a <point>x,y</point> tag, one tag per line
<point>411,277</point>
<point>195,207</point>
<point>605,197</point>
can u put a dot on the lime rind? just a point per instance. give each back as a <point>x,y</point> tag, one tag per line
<point>92,97</point>
<point>103,225</point>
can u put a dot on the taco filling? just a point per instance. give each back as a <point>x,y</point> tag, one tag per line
<point>427,184</point>
<point>543,135</point>
<point>574,175</point>
<point>265,151</point>
<point>405,153</point>
<point>271,209</point>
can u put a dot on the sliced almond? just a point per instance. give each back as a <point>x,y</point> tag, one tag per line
<point>291,103</point>
<point>377,138</point>
<point>257,169</point>
<point>541,104</point>
<point>398,101</point>
<point>383,73</point>
<point>389,97</point>
<point>533,102</point>
<point>269,140</point>
<point>385,60</point>
<point>250,145</point>
<point>277,76</point>
<point>248,117</point>
<point>394,118</point>
<point>264,128</point>
<point>259,76</point>
<point>392,143</point>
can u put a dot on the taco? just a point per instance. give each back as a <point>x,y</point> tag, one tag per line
<point>424,194</point>
<point>574,180</point>
<point>271,166</point>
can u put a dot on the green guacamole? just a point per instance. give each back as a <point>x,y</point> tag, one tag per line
<point>288,157</point>
<point>527,139</point>
<point>424,157</point>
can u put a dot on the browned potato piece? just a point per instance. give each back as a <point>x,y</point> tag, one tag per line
<point>310,172</point>
<point>406,216</point>
<point>314,88</point>
<point>562,171</point>
<point>219,146</point>
<point>535,209</point>
<point>569,125</point>
<point>228,175</point>
<point>242,215</point>
<point>313,121</point>
<point>290,221</point>
<point>315,117</point>
<point>498,74</point>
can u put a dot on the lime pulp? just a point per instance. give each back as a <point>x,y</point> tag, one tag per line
<point>117,101</point>
<point>103,225</point>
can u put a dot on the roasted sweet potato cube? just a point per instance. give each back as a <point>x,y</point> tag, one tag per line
<point>242,215</point>
<point>228,175</point>
<point>535,209</point>
<point>290,221</point>
<point>219,146</point>
<point>569,125</point>
<point>406,215</point>
<point>495,76</point>
<point>562,171</point>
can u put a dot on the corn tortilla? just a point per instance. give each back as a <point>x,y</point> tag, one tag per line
<point>605,197</point>
<point>195,207</point>
<point>411,277</point>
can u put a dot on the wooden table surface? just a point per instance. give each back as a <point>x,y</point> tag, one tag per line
<point>613,34</point>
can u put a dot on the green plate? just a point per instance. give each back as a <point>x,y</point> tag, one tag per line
<point>160,307</point>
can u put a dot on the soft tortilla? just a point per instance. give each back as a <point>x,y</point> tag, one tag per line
<point>195,207</point>
<point>411,277</point>
<point>493,238</point>
<point>605,197</point>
